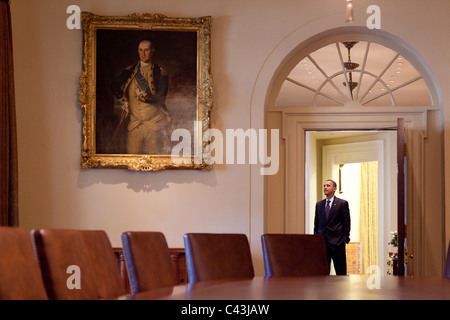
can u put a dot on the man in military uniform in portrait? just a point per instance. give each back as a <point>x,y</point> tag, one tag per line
<point>142,89</point>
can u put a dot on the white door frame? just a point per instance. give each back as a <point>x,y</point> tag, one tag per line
<point>294,128</point>
<point>295,121</point>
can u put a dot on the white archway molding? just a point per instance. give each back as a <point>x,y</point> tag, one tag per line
<point>324,30</point>
<point>359,34</point>
<point>290,50</point>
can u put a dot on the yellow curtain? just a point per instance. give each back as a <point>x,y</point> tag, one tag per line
<point>369,214</point>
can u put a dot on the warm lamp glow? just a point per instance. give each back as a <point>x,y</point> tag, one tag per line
<point>349,11</point>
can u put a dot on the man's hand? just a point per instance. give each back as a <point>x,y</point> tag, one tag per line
<point>140,95</point>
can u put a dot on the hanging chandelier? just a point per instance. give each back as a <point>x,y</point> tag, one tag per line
<point>349,66</point>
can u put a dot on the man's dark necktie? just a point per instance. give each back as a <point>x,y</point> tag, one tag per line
<point>327,209</point>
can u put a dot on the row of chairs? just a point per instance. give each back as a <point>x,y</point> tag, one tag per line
<point>212,256</point>
<point>80,264</point>
<point>57,264</point>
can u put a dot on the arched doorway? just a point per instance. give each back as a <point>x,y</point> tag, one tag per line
<point>308,95</point>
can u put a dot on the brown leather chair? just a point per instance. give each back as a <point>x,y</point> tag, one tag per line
<point>214,256</point>
<point>60,250</point>
<point>20,276</point>
<point>148,261</point>
<point>294,255</point>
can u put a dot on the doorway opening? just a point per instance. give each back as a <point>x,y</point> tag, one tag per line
<point>362,163</point>
<point>313,92</point>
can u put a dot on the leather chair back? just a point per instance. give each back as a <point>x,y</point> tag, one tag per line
<point>294,255</point>
<point>61,252</point>
<point>20,276</point>
<point>148,261</point>
<point>214,256</point>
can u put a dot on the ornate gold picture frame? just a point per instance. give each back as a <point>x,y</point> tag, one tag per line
<point>143,77</point>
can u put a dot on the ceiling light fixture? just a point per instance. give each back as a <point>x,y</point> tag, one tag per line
<point>349,65</point>
<point>349,10</point>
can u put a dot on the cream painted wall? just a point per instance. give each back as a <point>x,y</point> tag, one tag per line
<point>351,174</point>
<point>249,41</point>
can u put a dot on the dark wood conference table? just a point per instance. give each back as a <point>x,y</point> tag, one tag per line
<point>353,287</point>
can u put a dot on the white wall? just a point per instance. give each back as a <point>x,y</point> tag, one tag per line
<point>249,40</point>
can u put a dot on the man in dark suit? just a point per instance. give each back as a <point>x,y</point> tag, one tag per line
<point>332,220</point>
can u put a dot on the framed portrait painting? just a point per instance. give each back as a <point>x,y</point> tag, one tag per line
<point>145,92</point>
